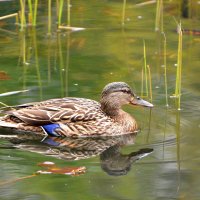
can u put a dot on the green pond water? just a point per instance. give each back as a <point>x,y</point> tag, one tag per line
<point>80,64</point>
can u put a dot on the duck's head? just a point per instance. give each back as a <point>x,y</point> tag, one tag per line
<point>116,94</point>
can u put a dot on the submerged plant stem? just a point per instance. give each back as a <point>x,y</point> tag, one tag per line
<point>30,19</point>
<point>22,15</point>
<point>60,12</point>
<point>165,68</point>
<point>123,12</point>
<point>5,105</point>
<point>49,17</point>
<point>150,83</point>
<point>145,70</point>
<point>142,83</point>
<point>159,16</point>
<point>35,12</point>
<point>68,13</point>
<point>18,179</point>
<point>179,68</point>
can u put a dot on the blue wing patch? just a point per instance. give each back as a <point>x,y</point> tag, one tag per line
<point>50,129</point>
<point>50,141</point>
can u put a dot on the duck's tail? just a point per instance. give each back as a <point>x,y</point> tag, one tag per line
<point>4,129</point>
<point>7,124</point>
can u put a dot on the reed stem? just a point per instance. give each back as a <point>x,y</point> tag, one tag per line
<point>22,15</point>
<point>37,63</point>
<point>30,18</point>
<point>35,12</point>
<point>9,16</point>
<point>145,70</point>
<point>60,12</point>
<point>142,83</point>
<point>165,68</point>
<point>150,83</point>
<point>179,67</point>
<point>68,13</point>
<point>123,12</point>
<point>159,16</point>
<point>49,17</point>
<point>61,64</point>
<point>5,105</point>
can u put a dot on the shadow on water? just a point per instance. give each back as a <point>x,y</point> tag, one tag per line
<point>112,161</point>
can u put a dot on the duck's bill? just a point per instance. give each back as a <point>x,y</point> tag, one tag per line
<point>140,102</point>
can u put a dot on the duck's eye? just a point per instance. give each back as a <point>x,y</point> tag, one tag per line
<point>126,91</point>
<point>138,98</point>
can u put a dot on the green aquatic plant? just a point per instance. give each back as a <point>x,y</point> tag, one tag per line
<point>159,16</point>
<point>38,71</point>
<point>145,68</point>
<point>4,105</point>
<point>165,67</point>
<point>35,12</point>
<point>32,7</point>
<point>146,77</point>
<point>30,14</point>
<point>150,83</point>
<point>61,64</point>
<point>22,15</point>
<point>68,13</point>
<point>142,83</point>
<point>179,67</point>
<point>49,17</point>
<point>60,10</point>
<point>123,12</point>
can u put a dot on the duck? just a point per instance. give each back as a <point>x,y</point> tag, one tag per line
<point>77,117</point>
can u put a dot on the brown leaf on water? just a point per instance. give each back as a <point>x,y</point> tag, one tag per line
<point>51,168</point>
<point>4,76</point>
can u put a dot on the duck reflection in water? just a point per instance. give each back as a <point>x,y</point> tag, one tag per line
<point>68,148</point>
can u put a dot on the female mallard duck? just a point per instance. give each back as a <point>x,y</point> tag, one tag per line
<point>78,116</point>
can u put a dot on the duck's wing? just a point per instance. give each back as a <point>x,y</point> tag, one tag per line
<point>51,111</point>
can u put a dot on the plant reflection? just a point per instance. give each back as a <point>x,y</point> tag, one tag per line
<point>111,159</point>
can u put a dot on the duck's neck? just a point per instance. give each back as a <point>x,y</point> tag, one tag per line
<point>113,110</point>
<point>110,107</point>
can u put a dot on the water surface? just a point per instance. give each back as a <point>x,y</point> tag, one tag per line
<point>80,64</point>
